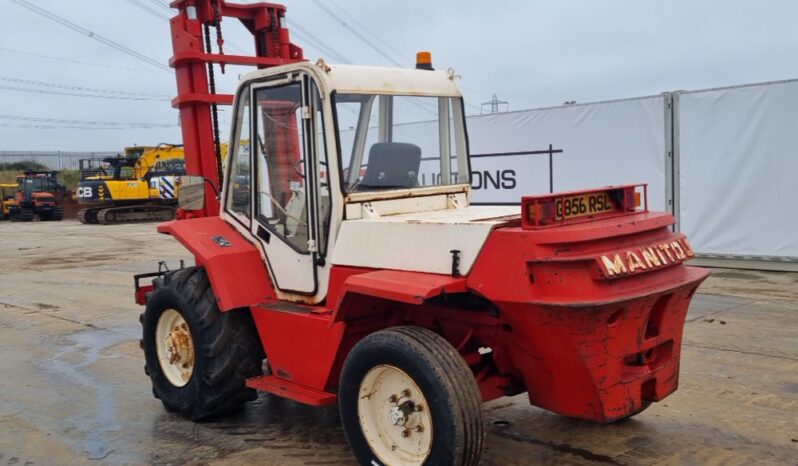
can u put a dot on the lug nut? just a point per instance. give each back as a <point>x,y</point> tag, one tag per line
<point>406,393</point>
<point>392,399</point>
<point>417,408</point>
<point>419,429</point>
<point>406,433</point>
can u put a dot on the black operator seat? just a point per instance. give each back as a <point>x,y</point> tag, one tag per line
<point>392,165</point>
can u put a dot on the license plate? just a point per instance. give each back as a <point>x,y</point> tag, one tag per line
<point>584,205</point>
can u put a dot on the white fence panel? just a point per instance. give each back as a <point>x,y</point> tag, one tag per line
<point>603,143</point>
<point>738,160</point>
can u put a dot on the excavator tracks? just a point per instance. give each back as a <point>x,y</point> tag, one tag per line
<point>22,215</point>
<point>135,214</point>
<point>88,216</point>
<point>127,214</point>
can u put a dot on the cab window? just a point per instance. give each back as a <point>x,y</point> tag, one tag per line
<point>238,196</point>
<point>282,188</point>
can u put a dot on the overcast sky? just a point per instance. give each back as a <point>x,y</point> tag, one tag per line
<point>531,54</point>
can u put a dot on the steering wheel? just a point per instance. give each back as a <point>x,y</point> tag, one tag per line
<point>298,165</point>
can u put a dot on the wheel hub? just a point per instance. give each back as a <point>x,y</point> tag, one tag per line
<point>175,347</point>
<point>396,416</point>
<point>179,347</point>
<point>392,417</point>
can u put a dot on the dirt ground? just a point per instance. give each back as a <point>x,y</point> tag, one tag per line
<point>72,388</point>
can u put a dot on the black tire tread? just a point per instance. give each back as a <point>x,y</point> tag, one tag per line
<point>469,397</point>
<point>227,342</point>
<point>452,373</point>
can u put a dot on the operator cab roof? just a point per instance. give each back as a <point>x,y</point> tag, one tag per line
<point>356,79</point>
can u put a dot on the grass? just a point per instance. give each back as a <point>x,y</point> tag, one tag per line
<point>8,176</point>
<point>68,178</point>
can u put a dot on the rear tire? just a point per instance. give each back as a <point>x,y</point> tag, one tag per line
<point>383,426</point>
<point>218,350</point>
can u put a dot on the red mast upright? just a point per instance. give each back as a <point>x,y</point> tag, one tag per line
<point>193,59</point>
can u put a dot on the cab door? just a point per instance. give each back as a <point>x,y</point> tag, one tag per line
<point>289,204</point>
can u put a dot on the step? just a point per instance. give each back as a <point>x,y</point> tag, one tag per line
<point>291,390</point>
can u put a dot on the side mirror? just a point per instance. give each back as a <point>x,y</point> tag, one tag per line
<point>191,192</point>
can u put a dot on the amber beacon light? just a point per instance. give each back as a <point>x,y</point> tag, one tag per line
<point>424,61</point>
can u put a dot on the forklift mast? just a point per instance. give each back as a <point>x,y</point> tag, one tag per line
<point>193,62</point>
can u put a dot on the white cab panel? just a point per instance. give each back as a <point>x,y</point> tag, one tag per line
<point>421,241</point>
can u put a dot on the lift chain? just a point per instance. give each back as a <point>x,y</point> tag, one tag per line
<point>275,31</point>
<point>217,22</point>
<point>214,109</point>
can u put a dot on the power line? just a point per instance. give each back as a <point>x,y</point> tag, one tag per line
<point>79,62</point>
<point>102,39</point>
<point>165,17</point>
<point>83,89</point>
<point>385,43</point>
<point>85,122</point>
<point>148,9</point>
<point>354,20</point>
<point>235,46</point>
<point>353,31</point>
<point>162,4</point>
<point>317,43</point>
<point>78,94</point>
<point>40,127</point>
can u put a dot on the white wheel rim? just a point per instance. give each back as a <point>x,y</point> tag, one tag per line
<point>175,347</point>
<point>394,417</point>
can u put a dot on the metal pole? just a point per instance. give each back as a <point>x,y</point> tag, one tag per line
<point>551,168</point>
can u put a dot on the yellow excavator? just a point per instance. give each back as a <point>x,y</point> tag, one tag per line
<point>140,186</point>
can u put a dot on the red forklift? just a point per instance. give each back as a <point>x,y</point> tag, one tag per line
<point>37,195</point>
<point>338,260</point>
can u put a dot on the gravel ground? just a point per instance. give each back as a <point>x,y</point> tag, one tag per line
<point>72,389</point>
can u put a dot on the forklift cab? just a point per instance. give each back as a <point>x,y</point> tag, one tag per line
<point>313,143</point>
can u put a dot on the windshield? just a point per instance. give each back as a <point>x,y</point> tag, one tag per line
<point>37,184</point>
<point>400,142</point>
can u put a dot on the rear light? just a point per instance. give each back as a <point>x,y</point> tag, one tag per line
<point>582,206</point>
<point>542,212</point>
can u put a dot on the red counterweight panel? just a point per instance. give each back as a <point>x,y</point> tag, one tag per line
<point>586,343</point>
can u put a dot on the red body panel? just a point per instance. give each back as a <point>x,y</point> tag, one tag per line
<point>403,286</point>
<point>301,345</point>
<point>584,345</point>
<point>581,343</point>
<point>234,265</point>
<point>294,334</point>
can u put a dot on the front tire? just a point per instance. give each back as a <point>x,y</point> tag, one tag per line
<point>407,398</point>
<point>198,358</point>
